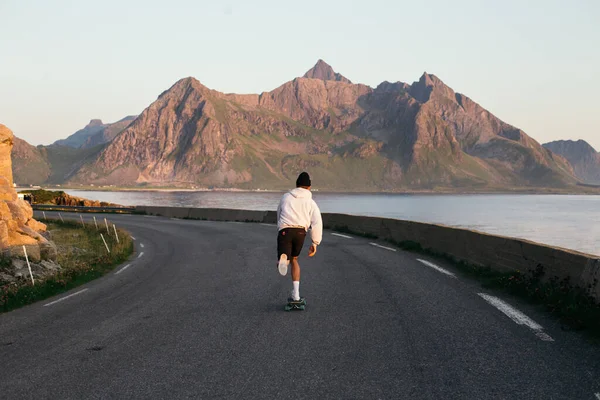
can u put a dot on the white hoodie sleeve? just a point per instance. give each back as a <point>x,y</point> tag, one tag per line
<point>316,223</point>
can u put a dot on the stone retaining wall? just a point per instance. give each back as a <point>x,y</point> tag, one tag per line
<point>476,248</point>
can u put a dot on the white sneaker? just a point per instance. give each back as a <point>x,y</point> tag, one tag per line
<point>283,265</point>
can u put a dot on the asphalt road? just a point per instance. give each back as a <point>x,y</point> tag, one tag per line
<point>200,315</point>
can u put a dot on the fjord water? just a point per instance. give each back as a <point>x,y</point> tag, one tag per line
<point>566,221</point>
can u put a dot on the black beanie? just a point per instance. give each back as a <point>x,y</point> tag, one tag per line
<point>303,180</point>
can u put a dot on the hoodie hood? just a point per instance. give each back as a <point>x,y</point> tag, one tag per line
<point>301,193</point>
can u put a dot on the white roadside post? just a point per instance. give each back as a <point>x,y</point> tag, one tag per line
<point>28,265</point>
<point>61,218</point>
<point>107,249</point>
<point>44,212</point>
<point>116,234</point>
<point>82,223</point>
<point>96,222</point>
<point>106,223</point>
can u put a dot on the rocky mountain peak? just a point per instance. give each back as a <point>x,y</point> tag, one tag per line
<point>428,84</point>
<point>583,157</point>
<point>94,122</point>
<point>325,72</point>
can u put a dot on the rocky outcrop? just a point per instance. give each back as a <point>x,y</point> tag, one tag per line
<point>17,226</point>
<point>108,132</point>
<point>77,139</point>
<point>325,72</point>
<point>95,133</point>
<point>18,271</point>
<point>583,157</point>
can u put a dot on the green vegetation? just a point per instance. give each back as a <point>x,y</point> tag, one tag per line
<point>42,196</point>
<point>82,256</point>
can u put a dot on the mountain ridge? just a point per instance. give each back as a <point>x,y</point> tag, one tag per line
<point>584,158</point>
<point>395,136</point>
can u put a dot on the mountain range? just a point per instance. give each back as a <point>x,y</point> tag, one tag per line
<point>583,157</point>
<point>351,137</point>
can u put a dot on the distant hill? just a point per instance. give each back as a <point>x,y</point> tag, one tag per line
<point>77,139</point>
<point>47,164</point>
<point>582,156</point>
<point>30,164</point>
<point>95,133</point>
<point>108,132</point>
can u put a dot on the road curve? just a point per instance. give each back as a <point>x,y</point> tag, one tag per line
<point>200,315</point>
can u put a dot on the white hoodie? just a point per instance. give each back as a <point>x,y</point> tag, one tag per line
<point>297,209</point>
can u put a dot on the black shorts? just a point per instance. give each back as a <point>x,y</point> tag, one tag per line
<point>290,242</point>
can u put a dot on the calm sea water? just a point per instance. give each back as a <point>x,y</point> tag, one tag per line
<point>567,221</point>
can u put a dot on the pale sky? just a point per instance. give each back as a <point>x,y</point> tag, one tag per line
<point>534,63</point>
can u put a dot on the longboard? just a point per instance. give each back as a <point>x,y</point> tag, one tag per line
<point>293,305</point>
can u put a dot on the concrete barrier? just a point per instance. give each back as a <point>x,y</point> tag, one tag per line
<point>460,245</point>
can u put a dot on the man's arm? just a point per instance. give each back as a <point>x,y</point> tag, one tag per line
<point>316,224</point>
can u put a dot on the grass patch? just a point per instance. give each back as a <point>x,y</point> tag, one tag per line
<point>42,196</point>
<point>571,305</point>
<point>82,256</point>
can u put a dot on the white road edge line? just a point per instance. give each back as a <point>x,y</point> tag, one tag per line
<point>141,254</point>
<point>142,245</point>
<point>122,269</point>
<point>268,225</point>
<point>382,247</point>
<point>64,298</point>
<point>340,235</point>
<point>597,395</point>
<point>439,269</point>
<point>517,316</point>
<point>175,219</point>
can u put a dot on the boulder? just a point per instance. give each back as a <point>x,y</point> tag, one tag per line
<point>50,266</point>
<point>4,237</point>
<point>48,251</point>
<point>33,252</point>
<point>36,225</point>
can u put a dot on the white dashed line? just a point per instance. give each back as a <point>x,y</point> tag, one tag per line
<point>440,269</point>
<point>382,247</point>
<point>597,395</point>
<point>122,269</point>
<point>142,245</point>
<point>270,225</point>
<point>235,222</point>
<point>150,216</point>
<point>141,254</point>
<point>64,298</point>
<point>133,238</point>
<point>340,235</point>
<point>517,316</point>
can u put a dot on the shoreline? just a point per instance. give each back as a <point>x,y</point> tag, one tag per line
<point>329,191</point>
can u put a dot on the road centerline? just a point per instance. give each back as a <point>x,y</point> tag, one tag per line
<point>382,247</point>
<point>439,269</point>
<point>65,298</point>
<point>342,236</point>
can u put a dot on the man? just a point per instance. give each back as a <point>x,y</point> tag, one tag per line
<point>297,212</point>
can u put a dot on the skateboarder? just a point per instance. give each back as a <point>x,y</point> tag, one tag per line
<point>296,213</point>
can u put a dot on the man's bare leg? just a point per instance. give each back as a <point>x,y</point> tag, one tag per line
<point>296,278</point>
